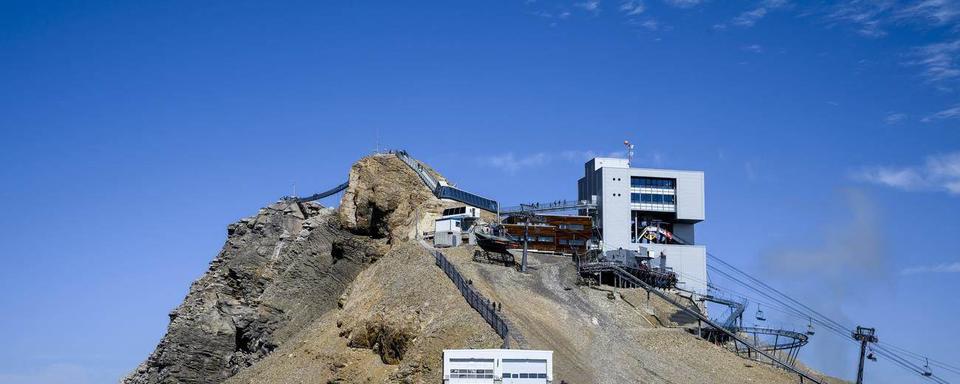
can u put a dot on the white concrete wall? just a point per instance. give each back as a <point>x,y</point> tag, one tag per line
<point>615,207</point>
<point>689,262</point>
<point>500,361</point>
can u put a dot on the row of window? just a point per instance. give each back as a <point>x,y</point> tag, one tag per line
<point>470,376</point>
<point>652,182</point>
<point>541,239</point>
<point>524,375</point>
<point>575,227</point>
<point>549,239</point>
<point>471,373</point>
<point>652,198</point>
<point>454,211</point>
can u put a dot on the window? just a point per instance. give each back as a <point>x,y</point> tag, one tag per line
<point>545,239</point>
<point>541,375</point>
<point>563,241</point>
<point>576,242</point>
<point>524,375</point>
<point>652,182</point>
<point>506,375</point>
<point>574,227</point>
<point>651,198</point>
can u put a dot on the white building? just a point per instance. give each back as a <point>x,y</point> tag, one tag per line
<point>629,199</point>
<point>448,229</point>
<point>447,232</point>
<point>502,366</point>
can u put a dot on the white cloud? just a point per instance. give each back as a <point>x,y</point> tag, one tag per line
<point>683,3</point>
<point>749,18</point>
<point>753,48</point>
<point>938,173</point>
<point>632,7</point>
<point>939,268</point>
<point>946,114</point>
<point>939,60</point>
<point>867,16</point>
<point>510,163</point>
<point>590,5</point>
<point>894,118</point>
<point>650,24</point>
<point>936,12</point>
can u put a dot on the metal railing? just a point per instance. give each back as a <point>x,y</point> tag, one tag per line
<point>318,196</point>
<point>446,191</point>
<point>750,347</point>
<point>484,306</point>
<point>553,206</point>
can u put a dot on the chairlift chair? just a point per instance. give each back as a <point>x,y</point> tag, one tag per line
<point>810,330</point>
<point>926,368</point>
<point>760,314</point>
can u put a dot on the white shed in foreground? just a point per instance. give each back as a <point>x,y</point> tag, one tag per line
<point>476,366</point>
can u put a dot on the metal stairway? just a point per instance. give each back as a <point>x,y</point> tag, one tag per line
<point>737,339</point>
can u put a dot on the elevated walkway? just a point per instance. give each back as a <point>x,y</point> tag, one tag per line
<point>554,206</point>
<point>439,189</point>
<point>443,191</point>
<point>318,196</point>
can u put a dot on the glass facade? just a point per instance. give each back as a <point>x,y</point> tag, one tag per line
<point>652,198</point>
<point>652,182</point>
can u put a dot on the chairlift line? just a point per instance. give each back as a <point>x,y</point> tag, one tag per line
<point>828,323</point>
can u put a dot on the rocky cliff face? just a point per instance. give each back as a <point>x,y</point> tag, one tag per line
<point>281,270</point>
<point>386,199</point>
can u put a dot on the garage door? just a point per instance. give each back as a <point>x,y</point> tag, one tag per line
<point>471,371</point>
<point>524,371</point>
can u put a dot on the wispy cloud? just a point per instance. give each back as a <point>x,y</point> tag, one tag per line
<point>650,24</point>
<point>936,12</point>
<point>893,118</point>
<point>938,173</point>
<point>590,6</point>
<point>510,163</point>
<point>938,268</point>
<point>683,3</point>
<point>750,17</point>
<point>938,61</point>
<point>946,114</point>
<point>867,16</point>
<point>752,48</point>
<point>632,7</point>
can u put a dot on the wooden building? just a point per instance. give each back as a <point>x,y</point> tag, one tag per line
<point>553,233</point>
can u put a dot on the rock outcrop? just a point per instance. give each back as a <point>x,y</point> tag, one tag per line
<point>386,199</point>
<point>282,269</point>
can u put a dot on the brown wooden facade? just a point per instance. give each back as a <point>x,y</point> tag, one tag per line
<point>553,233</point>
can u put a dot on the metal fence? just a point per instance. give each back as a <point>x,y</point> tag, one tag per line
<point>477,301</point>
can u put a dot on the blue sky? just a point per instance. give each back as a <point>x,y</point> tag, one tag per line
<point>132,133</point>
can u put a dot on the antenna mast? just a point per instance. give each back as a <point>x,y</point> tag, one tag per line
<point>626,143</point>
